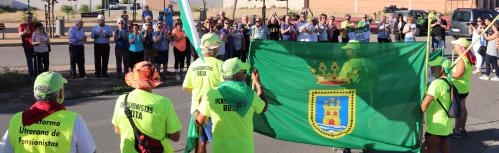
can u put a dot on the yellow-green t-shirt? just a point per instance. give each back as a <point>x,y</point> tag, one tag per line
<point>463,84</point>
<point>153,115</point>
<point>201,77</point>
<point>345,25</point>
<point>53,133</point>
<point>437,120</point>
<point>231,132</point>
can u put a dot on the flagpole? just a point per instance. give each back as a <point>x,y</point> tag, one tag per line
<point>428,32</point>
<point>474,42</point>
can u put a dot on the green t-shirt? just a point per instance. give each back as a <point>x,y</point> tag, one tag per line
<point>231,132</point>
<point>201,77</point>
<point>463,85</point>
<point>153,114</point>
<point>437,120</point>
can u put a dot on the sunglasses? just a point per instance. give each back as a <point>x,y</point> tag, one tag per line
<point>120,23</point>
<point>257,21</point>
<point>226,23</point>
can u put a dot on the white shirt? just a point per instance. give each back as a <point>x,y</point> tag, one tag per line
<point>412,28</point>
<point>305,36</point>
<point>82,141</point>
<point>39,37</point>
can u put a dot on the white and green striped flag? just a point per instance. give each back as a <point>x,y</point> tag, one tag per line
<point>189,26</point>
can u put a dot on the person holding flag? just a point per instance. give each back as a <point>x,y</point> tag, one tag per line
<point>203,75</point>
<point>231,107</point>
<point>461,74</point>
<point>438,123</point>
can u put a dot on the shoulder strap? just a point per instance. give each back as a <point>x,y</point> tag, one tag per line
<point>136,131</point>
<point>450,92</point>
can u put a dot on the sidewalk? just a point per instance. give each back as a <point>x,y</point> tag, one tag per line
<point>12,38</point>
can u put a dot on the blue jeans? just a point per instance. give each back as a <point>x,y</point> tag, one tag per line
<point>437,43</point>
<point>29,53</point>
<point>409,39</point>
<point>207,134</point>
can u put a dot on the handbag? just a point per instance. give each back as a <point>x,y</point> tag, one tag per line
<point>143,143</point>
<point>482,50</point>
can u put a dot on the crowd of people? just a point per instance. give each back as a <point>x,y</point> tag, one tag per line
<point>220,96</point>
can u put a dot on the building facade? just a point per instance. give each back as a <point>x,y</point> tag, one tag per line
<point>367,6</point>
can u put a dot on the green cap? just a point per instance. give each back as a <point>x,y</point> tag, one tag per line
<point>233,66</point>
<point>352,44</point>
<point>440,61</point>
<point>461,41</point>
<point>209,41</point>
<point>48,83</point>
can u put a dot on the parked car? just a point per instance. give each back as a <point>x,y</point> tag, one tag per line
<point>420,16</point>
<point>463,17</point>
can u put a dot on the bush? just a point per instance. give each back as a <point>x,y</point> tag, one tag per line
<point>6,9</point>
<point>67,9</point>
<point>84,8</point>
<point>23,17</point>
<point>98,7</point>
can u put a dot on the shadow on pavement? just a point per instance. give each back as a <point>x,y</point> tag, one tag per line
<point>16,93</point>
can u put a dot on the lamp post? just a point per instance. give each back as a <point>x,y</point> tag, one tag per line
<point>29,7</point>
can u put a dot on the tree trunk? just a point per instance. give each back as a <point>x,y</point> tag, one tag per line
<point>234,10</point>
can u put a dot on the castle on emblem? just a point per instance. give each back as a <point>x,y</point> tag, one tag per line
<point>331,112</point>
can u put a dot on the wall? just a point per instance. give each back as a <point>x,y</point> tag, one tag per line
<point>40,4</point>
<point>370,6</point>
<point>293,4</point>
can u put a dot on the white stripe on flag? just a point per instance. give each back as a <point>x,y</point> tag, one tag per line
<point>190,22</point>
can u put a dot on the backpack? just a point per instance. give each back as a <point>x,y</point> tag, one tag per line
<point>143,143</point>
<point>455,106</point>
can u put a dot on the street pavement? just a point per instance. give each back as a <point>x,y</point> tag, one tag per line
<point>97,111</point>
<point>483,106</point>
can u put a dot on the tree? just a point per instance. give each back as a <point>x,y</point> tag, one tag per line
<point>68,10</point>
<point>84,8</point>
<point>98,7</point>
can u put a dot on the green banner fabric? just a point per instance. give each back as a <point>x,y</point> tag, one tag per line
<point>363,95</point>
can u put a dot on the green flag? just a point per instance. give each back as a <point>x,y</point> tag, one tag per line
<point>189,26</point>
<point>364,95</point>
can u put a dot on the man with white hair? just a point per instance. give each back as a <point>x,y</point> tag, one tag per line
<point>76,50</point>
<point>148,19</point>
<point>201,77</point>
<point>60,130</point>
<point>101,34</point>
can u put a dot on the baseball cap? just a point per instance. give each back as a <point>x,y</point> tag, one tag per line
<point>233,66</point>
<point>209,41</point>
<point>461,41</point>
<point>47,83</point>
<point>100,17</point>
<point>440,61</point>
<point>352,44</point>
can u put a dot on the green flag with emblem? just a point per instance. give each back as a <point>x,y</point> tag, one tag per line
<point>355,95</point>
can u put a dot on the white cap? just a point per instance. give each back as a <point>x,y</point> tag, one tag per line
<point>100,17</point>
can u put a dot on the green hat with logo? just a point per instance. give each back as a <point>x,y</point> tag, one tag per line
<point>233,66</point>
<point>209,41</point>
<point>462,42</point>
<point>352,44</point>
<point>440,61</point>
<point>48,83</point>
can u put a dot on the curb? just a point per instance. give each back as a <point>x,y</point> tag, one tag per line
<point>52,43</point>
